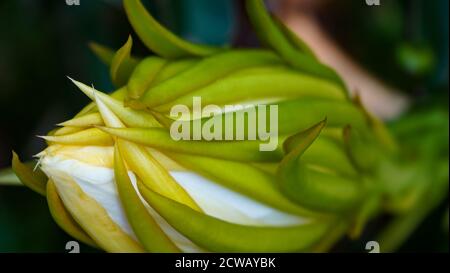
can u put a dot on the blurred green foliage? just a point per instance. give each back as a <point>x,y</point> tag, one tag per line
<point>405,42</point>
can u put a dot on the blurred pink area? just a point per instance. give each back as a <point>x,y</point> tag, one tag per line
<point>384,101</point>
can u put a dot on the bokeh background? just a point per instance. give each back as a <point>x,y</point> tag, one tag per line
<point>403,42</point>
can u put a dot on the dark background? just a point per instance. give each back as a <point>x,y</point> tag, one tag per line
<point>42,41</point>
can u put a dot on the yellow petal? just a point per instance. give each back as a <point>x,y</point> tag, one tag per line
<point>92,217</point>
<point>63,218</point>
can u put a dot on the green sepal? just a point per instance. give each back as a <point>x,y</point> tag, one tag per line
<point>339,113</point>
<point>90,136</point>
<point>379,129</point>
<point>131,117</point>
<point>221,236</point>
<point>363,153</point>
<point>122,65</point>
<point>160,139</point>
<point>174,68</point>
<point>368,211</point>
<point>205,72</point>
<point>311,188</point>
<point>143,76</point>
<point>144,226</point>
<point>242,89</point>
<point>159,39</point>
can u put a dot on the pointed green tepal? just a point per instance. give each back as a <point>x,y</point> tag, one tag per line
<point>379,129</point>
<point>106,55</point>
<point>220,236</point>
<point>35,180</point>
<point>159,39</point>
<point>364,155</point>
<point>122,65</point>
<point>143,76</point>
<point>144,226</point>
<point>297,144</point>
<point>311,188</point>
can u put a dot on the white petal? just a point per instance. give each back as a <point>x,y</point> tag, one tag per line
<point>230,206</point>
